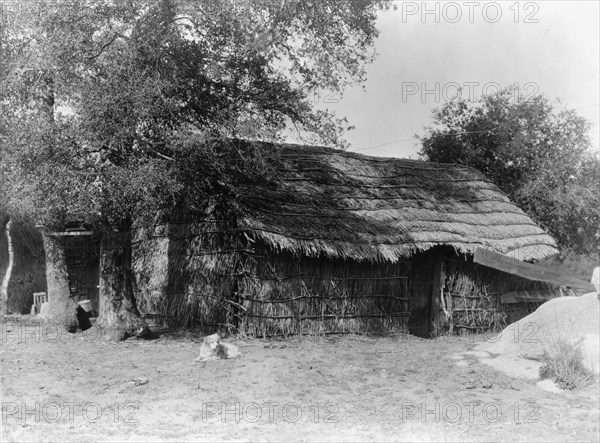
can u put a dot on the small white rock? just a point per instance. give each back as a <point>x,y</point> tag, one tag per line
<point>548,386</point>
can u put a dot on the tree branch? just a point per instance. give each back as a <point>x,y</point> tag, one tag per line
<point>110,42</point>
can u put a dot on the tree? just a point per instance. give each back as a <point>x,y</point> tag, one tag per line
<point>540,156</point>
<point>102,98</point>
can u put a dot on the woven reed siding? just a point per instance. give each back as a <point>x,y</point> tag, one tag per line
<point>284,295</point>
<point>200,275</point>
<point>472,297</point>
<point>150,260</point>
<point>184,274</point>
<point>29,270</point>
<point>149,250</point>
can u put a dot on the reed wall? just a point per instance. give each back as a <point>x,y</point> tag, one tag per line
<point>185,273</point>
<point>205,275</point>
<point>470,297</point>
<point>280,294</point>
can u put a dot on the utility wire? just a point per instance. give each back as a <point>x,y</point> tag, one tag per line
<point>414,139</point>
<point>450,134</point>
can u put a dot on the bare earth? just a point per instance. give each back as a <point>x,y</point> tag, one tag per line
<point>354,388</point>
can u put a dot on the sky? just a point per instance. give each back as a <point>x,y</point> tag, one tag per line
<point>427,50</point>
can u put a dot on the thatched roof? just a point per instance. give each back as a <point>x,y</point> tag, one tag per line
<point>352,206</point>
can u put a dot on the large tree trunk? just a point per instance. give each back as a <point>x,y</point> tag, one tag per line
<point>63,308</point>
<point>7,275</point>
<point>118,308</point>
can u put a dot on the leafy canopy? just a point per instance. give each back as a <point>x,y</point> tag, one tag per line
<point>98,96</point>
<point>540,156</point>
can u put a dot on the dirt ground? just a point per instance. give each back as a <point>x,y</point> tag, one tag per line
<point>61,387</point>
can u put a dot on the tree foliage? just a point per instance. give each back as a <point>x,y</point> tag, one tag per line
<point>126,80</point>
<point>540,156</point>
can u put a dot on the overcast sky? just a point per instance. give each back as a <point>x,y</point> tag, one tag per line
<point>550,47</point>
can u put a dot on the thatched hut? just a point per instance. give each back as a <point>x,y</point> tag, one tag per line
<point>343,242</point>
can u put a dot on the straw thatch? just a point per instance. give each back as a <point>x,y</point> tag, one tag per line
<point>352,206</point>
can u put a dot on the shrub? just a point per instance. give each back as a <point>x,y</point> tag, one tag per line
<point>565,366</point>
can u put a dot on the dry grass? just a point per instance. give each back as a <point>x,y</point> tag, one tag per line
<point>564,365</point>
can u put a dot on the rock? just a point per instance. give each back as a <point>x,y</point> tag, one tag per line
<point>548,386</point>
<point>139,381</point>
<point>515,366</point>
<point>575,320</point>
